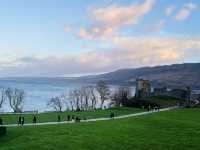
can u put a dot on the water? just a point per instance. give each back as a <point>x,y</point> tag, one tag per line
<point>38,91</point>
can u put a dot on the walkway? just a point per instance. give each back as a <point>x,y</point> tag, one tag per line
<point>93,120</point>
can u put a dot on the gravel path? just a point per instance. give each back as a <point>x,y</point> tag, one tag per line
<point>93,120</point>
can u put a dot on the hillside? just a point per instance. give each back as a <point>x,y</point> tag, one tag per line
<point>176,75</point>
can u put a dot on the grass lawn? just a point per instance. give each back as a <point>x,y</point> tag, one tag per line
<point>48,117</point>
<point>172,130</point>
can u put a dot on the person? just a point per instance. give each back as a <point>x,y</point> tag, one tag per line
<point>22,121</point>
<point>59,119</point>
<point>158,108</point>
<point>68,117</point>
<point>77,119</point>
<point>19,120</point>
<point>1,121</point>
<point>34,119</point>
<point>149,108</point>
<point>111,115</point>
<point>73,118</point>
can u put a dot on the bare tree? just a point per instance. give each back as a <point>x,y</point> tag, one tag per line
<point>16,98</point>
<point>75,99</point>
<point>93,96</point>
<point>56,103</point>
<point>103,91</point>
<point>86,96</point>
<point>2,96</point>
<point>121,96</point>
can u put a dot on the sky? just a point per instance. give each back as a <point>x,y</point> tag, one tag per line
<point>56,38</point>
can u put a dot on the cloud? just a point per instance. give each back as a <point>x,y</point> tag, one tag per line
<point>156,27</point>
<point>116,16</point>
<point>126,51</point>
<point>170,10</point>
<point>185,12</point>
<point>107,21</point>
<point>67,28</point>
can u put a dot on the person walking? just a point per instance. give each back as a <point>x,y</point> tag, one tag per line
<point>34,119</point>
<point>68,117</point>
<point>59,118</point>
<point>1,121</point>
<point>22,121</point>
<point>19,120</point>
<point>112,115</point>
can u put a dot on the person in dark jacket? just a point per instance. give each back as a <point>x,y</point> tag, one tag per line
<point>19,120</point>
<point>34,119</point>
<point>22,121</point>
<point>68,117</point>
<point>1,121</point>
<point>59,118</point>
<point>112,115</point>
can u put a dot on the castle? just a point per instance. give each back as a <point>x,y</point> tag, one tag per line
<point>143,89</point>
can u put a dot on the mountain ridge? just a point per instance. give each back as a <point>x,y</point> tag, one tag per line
<point>175,75</point>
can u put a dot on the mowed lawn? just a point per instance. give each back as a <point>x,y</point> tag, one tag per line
<point>172,130</point>
<point>51,117</point>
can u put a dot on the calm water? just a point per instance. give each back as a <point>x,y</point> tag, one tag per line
<point>39,91</point>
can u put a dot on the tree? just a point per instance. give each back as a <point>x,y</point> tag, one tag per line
<point>103,91</point>
<point>16,98</point>
<point>56,103</point>
<point>86,95</point>
<point>75,99</point>
<point>93,96</point>
<point>2,96</point>
<point>121,96</point>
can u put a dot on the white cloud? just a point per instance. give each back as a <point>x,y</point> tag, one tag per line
<point>117,16</point>
<point>126,51</point>
<point>157,27</point>
<point>108,20</point>
<point>67,28</point>
<point>170,10</point>
<point>185,12</point>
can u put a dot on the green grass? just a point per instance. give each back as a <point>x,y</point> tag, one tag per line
<point>172,130</point>
<point>50,117</point>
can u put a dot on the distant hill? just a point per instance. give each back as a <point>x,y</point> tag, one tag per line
<point>177,75</point>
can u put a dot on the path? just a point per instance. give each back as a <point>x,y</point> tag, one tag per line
<point>93,120</point>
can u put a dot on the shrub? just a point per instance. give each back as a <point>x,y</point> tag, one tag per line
<point>139,103</point>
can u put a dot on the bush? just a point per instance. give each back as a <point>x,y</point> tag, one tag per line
<point>2,131</point>
<point>139,103</point>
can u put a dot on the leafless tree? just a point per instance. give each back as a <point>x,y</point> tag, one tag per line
<point>2,96</point>
<point>121,96</point>
<point>75,99</point>
<point>56,103</point>
<point>16,98</point>
<point>103,91</point>
<point>93,96</point>
<point>86,96</point>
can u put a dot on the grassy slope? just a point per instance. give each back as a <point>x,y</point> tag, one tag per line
<point>175,130</point>
<point>46,117</point>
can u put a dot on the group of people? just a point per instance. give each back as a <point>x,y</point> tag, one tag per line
<point>70,118</point>
<point>21,120</point>
<point>155,108</point>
